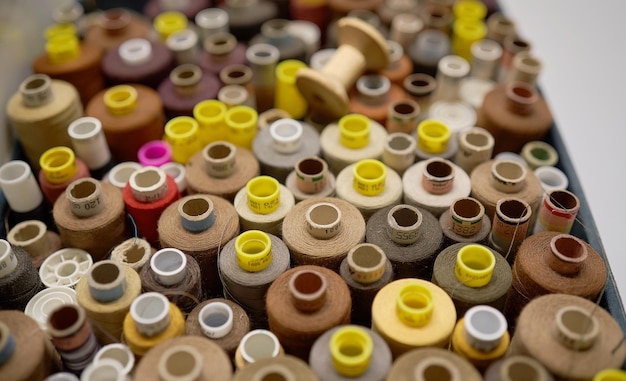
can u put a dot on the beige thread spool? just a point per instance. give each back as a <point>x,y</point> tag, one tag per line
<point>270,222</point>
<point>34,237</point>
<point>311,178</point>
<point>399,151</point>
<point>475,147</point>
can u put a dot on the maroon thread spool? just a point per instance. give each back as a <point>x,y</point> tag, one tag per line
<point>220,50</point>
<point>187,7</point>
<point>185,87</point>
<point>115,26</point>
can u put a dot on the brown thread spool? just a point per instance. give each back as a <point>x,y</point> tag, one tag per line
<point>286,367</point>
<point>311,178</point>
<point>262,59</point>
<point>465,222</point>
<point>20,280</point>
<point>34,237</point>
<point>552,262</point>
<point>515,114</point>
<point>203,246</point>
<point>420,87</point>
<point>220,169</point>
<point>389,229</point>
<point>373,95</point>
<point>114,26</point>
<point>221,50</point>
<point>510,226</point>
<point>91,217</point>
<point>131,116</point>
<point>464,296</point>
<point>134,253</point>
<point>40,112</point>
<point>270,223</point>
<point>511,46</point>
<point>322,230</point>
<point>512,367</point>
<point>432,364</point>
<point>570,336</point>
<point>305,302</point>
<point>403,116</point>
<point>242,75</point>
<point>185,87</point>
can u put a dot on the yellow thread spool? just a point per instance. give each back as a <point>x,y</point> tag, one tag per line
<point>182,135</point>
<point>354,131</point>
<point>414,305</point>
<point>168,23</point>
<point>369,177</point>
<point>474,265</point>
<point>610,375</point>
<point>465,33</point>
<point>287,96</point>
<point>58,164</point>
<point>351,350</point>
<point>140,344</point>
<point>263,194</point>
<point>210,115</point>
<point>60,29</point>
<point>469,10</point>
<point>62,47</point>
<point>254,250</point>
<point>432,136</point>
<point>241,125</point>
<point>121,99</point>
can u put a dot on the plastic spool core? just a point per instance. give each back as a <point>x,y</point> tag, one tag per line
<point>8,260</point>
<point>180,363</point>
<point>169,265</point>
<point>36,90</point>
<point>135,52</point>
<point>477,140</point>
<point>351,349</point>
<point>373,86</point>
<point>263,194</point>
<point>58,164</point>
<point>219,159</point>
<point>366,262</point>
<point>403,223</point>
<point>220,43</point>
<point>148,184</point>
<point>508,176</point>
<point>121,99</point>
<point>150,312</point>
<point>216,320</point>
<point>212,20</point>
<point>85,197</point>
<point>438,176</point>
<point>484,327</point>
<point>121,173</point>
<point>576,328</point>
<point>474,265</point>
<point>323,220</point>
<point>286,135</point>
<point>119,353</point>
<point>432,136</point>
<point>369,177</point>
<point>308,290</point>
<point>311,174</point>
<point>354,131</point>
<point>436,369</point>
<point>19,186</point>
<point>106,280</point>
<point>254,250</point>
<point>414,305</point>
<point>259,344</point>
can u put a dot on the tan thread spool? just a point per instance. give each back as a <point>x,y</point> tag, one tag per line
<point>311,178</point>
<point>511,367</point>
<point>399,151</point>
<point>134,252</point>
<point>475,147</point>
<point>270,223</point>
<point>34,237</point>
<point>432,364</point>
<point>286,367</point>
<point>510,226</point>
<point>465,222</point>
<point>345,221</point>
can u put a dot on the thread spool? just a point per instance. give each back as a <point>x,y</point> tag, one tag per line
<point>429,364</point>
<point>485,60</point>
<point>413,313</point>
<point>211,21</point>
<point>400,65</point>
<point>538,154</point>
<point>373,95</point>
<point>256,345</point>
<point>177,172</point>
<point>241,126</point>
<point>322,230</point>
<point>499,27</point>
<point>262,59</point>
<point>475,147</point>
<point>90,145</point>
<point>450,71</point>
<point>114,26</point>
<point>185,86</point>
<point>45,301</point>
<point>65,267</point>
<point>514,366</point>
<point>34,357</point>
<point>433,140</point>
<point>19,281</point>
<point>557,212</point>
<point>220,50</point>
<point>429,47</point>
<point>305,302</point>
<point>210,115</point>
<point>214,362</point>
<point>585,337</point>
<point>465,222</point>
<point>245,285</point>
<point>510,226</point>
<point>311,178</point>
<point>409,236</point>
<point>107,317</point>
<point>134,252</point>
<point>399,151</point>
<point>278,32</point>
<point>263,204</point>
<point>154,153</point>
<point>131,116</point>
<point>403,116</point>
<point>181,133</point>
<point>511,46</point>
<point>551,178</point>
<point>203,245</point>
<point>119,175</point>
<point>138,60</point>
<point>169,21</point>
<point>525,68</point>
<point>33,236</point>
<point>365,270</point>
<point>361,47</point>
<point>184,45</point>
<point>464,294</point>
<point>237,90</point>
<point>119,353</point>
<point>20,189</point>
<point>286,366</point>
<point>287,96</point>
<point>59,168</point>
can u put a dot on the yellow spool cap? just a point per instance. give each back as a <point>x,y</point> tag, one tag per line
<point>354,131</point>
<point>60,29</point>
<point>474,265</point>
<point>432,136</point>
<point>210,115</point>
<point>369,177</point>
<point>254,250</point>
<point>287,95</point>
<point>351,349</point>
<point>466,33</point>
<point>58,164</point>
<point>63,47</point>
<point>167,23</point>
<point>263,194</point>
<point>241,125</point>
<point>121,99</point>
<point>181,133</point>
<point>610,375</point>
<point>414,305</point>
<point>469,10</point>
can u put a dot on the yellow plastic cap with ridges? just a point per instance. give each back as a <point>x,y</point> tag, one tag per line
<point>60,29</point>
<point>121,99</point>
<point>211,115</point>
<point>170,22</point>
<point>181,133</point>
<point>263,194</point>
<point>465,33</point>
<point>58,164</point>
<point>63,47</point>
<point>354,131</point>
<point>474,265</point>
<point>414,305</point>
<point>241,125</point>
<point>351,349</point>
<point>254,250</point>
<point>287,95</point>
<point>369,177</point>
<point>432,136</point>
<point>469,10</point>
<point>610,375</point>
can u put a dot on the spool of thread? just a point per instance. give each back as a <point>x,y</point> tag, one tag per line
<point>181,133</point>
<point>450,71</point>
<point>235,95</point>
<point>182,355</point>
<point>177,172</point>
<point>45,301</point>
<point>169,21</point>
<point>210,115</point>
<point>184,45</point>
<point>409,236</point>
<point>221,169</point>
<point>257,345</point>
<point>552,262</point>
<point>241,126</point>
<point>525,68</point>
<point>118,353</point>
<point>331,360</point>
<point>244,284</point>
<point>557,212</point>
<point>539,154</point>
<point>155,153</point>
<point>90,145</point>
<point>513,366</point>
<point>400,65</point>
<point>586,338</point>
<point>510,226</point>
<point>212,319</point>
<point>59,168</point>
<point>40,112</point>
<point>373,96</point>
<point>322,230</point>
<point>311,178</point>
<point>138,60</point>
<point>399,151</point>
<point>120,174</point>
<point>69,60</point>
<point>33,357</point>
<point>478,261</point>
<point>33,236</point>
<point>413,313</point>
<point>475,147</point>
<point>277,32</point>
<point>286,366</point>
<point>204,244</point>
<point>365,270</point>
<point>485,59</point>
<point>220,50</point>
<point>403,116</point>
<point>499,27</point>
<point>91,216</point>
<point>435,184</point>
<point>420,87</point>
<point>185,86</point>
<point>430,364</point>
<point>240,76</point>
<point>262,59</point>
<point>263,204</point>
<point>134,253</point>
<point>511,46</point>
<point>281,146</point>
<point>465,222</point>
<point>211,21</point>
<point>72,337</point>
<point>433,139</point>
<point>19,280</point>
<point>175,275</point>
<point>114,26</point>
<point>551,178</point>
<point>497,179</point>
<point>305,302</point>
<point>429,47</point>
<point>65,267</point>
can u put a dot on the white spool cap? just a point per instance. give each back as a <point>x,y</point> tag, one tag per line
<point>169,266</point>
<point>104,370</point>
<point>184,45</point>
<point>259,344</point>
<point>89,142</point>
<point>120,174</point>
<point>484,327</point>
<point>41,305</point>
<point>286,135</point>
<point>135,52</point>
<point>212,20</point>
<point>148,184</point>
<point>117,352</point>
<point>176,171</point>
<point>216,320</point>
<point>8,260</point>
<point>65,267</point>
<point>151,313</point>
<point>551,178</point>
<point>19,186</point>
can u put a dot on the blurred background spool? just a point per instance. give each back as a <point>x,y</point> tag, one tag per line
<point>517,365</point>
<point>286,366</point>
<point>432,364</point>
<point>114,26</point>
<point>185,86</point>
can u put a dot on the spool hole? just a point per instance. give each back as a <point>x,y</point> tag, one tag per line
<point>273,377</point>
<point>181,127</point>
<point>253,247</point>
<point>84,128</point>
<point>219,151</point>
<point>66,269</point>
<point>27,232</point>
<point>312,166</point>
<point>180,363</point>
<point>404,108</point>
<point>259,346</point>
<point>513,209</point>
<point>285,130</point>
<point>569,247</point>
<point>215,319</point>
<point>83,189</point>
<point>509,171</point>
<point>540,153</point>
<point>399,143</point>
<point>150,307</point>
<point>405,217</point>
<point>522,92</point>
<point>240,117</point>
<point>436,372</point>
<point>577,322</point>
<point>439,169</point>
<point>147,178</point>
<point>467,208</point>
<point>196,207</point>
<point>477,259</point>
<point>521,371</point>
<point>370,172</point>
<point>64,317</point>
<point>324,214</point>
<point>367,257</point>
<point>478,140</point>
<point>307,282</point>
<point>168,260</point>
<point>105,273</point>
<point>35,83</point>
<point>134,254</point>
<point>564,200</point>
<point>486,322</point>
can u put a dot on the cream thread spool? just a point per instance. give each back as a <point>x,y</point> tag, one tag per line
<point>134,252</point>
<point>404,29</point>
<point>219,159</point>
<point>117,352</point>
<point>234,95</point>
<point>184,45</point>
<point>486,56</point>
<point>257,345</point>
<point>473,91</point>
<point>525,68</point>
<point>475,147</point>
<point>510,226</point>
<point>450,71</point>
<point>311,178</point>
<point>399,151</point>
<point>434,140</point>
<point>557,212</point>
<point>89,143</point>
<point>465,222</point>
<point>180,362</point>
<point>211,21</point>
<point>135,52</point>
<point>539,154</point>
<point>121,173</point>
<point>34,237</point>
<point>320,58</point>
